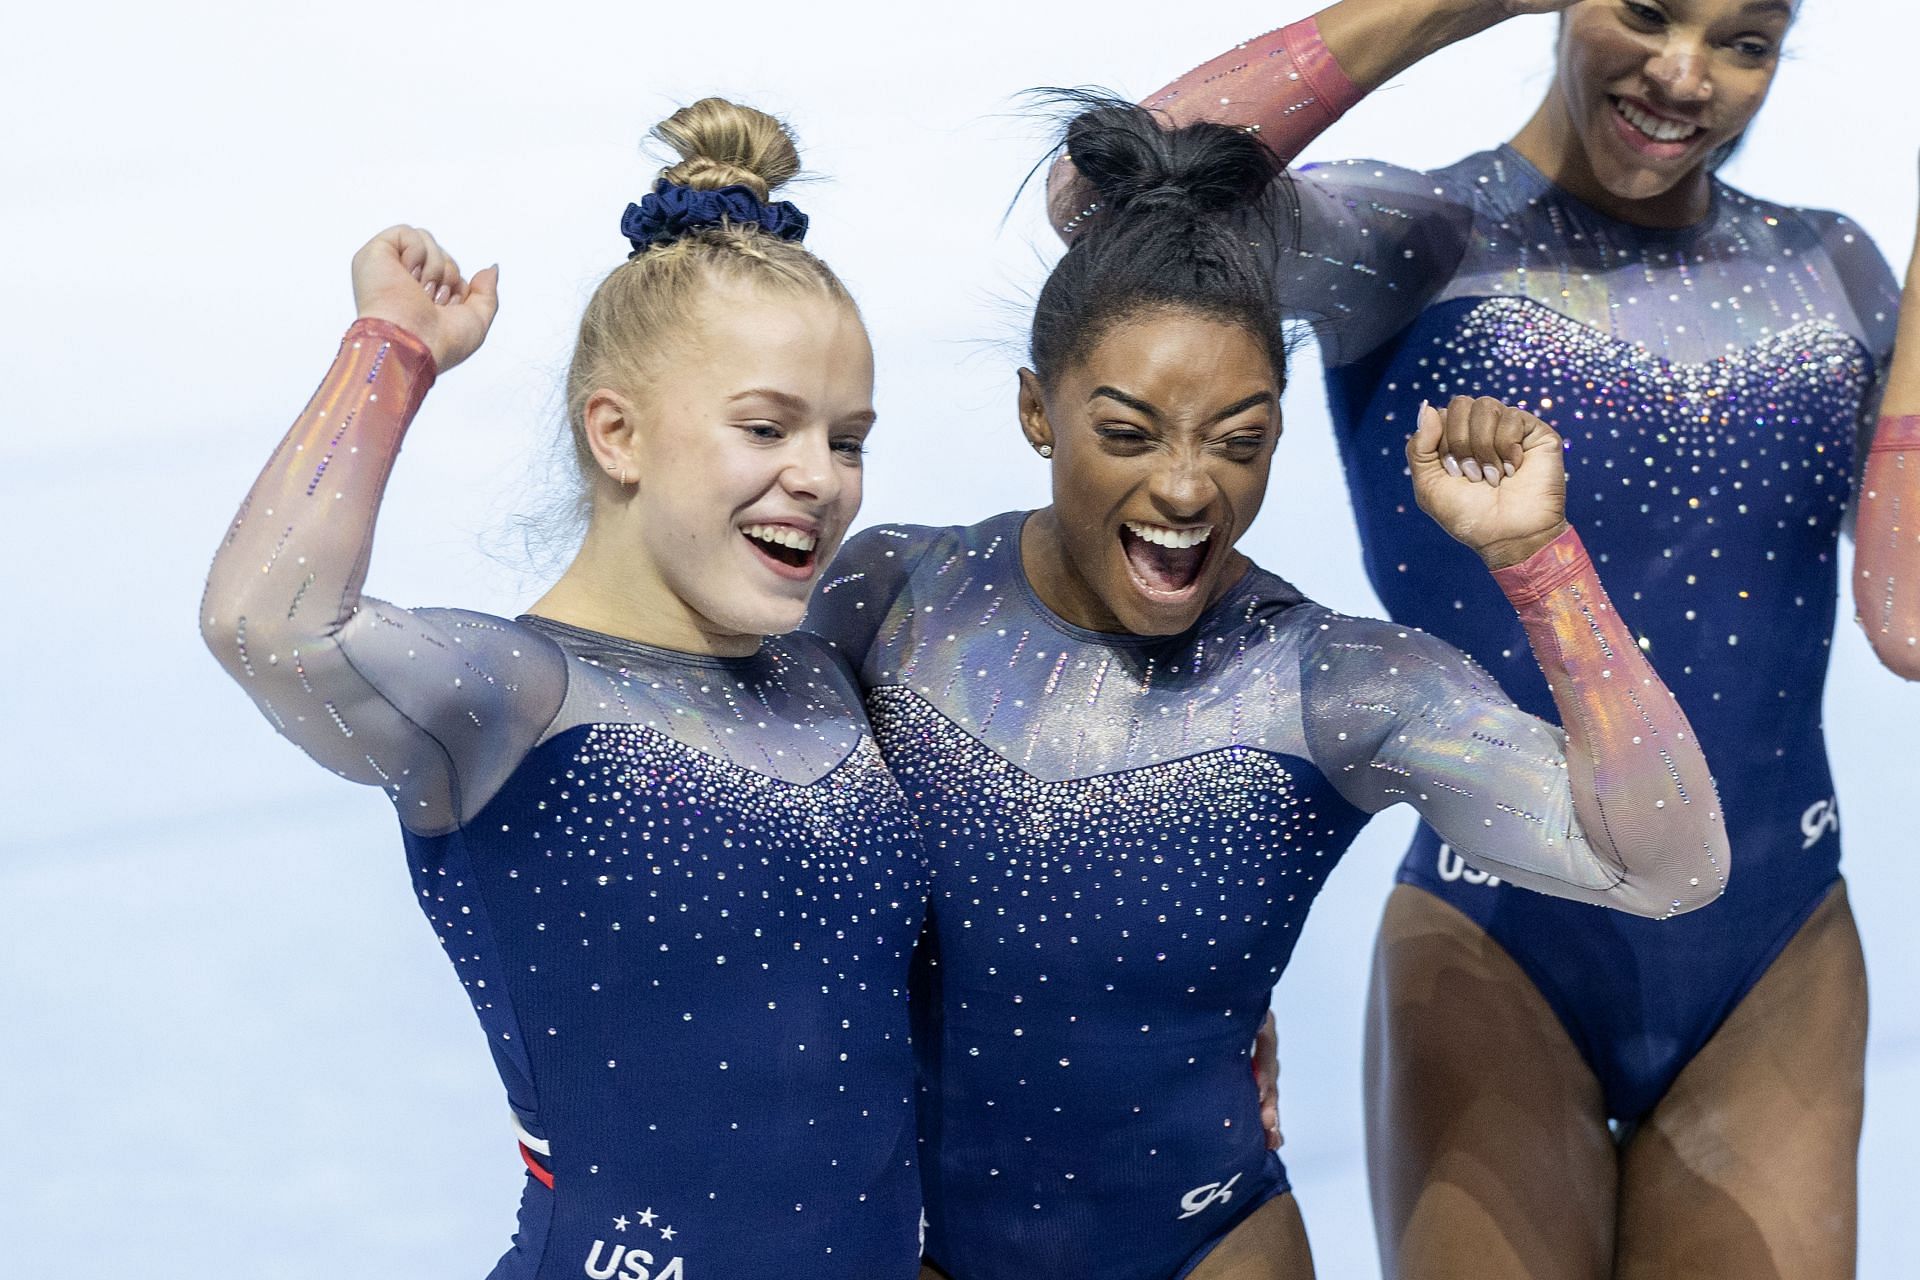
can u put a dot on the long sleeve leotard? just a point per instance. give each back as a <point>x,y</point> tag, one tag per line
<point>1714,384</point>
<point>681,891</point>
<point>1126,833</point>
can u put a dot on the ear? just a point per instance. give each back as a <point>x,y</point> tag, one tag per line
<point>1033,412</point>
<point>612,430</point>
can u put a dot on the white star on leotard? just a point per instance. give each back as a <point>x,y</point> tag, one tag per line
<point>646,1217</point>
<point>666,1233</point>
<point>620,1223</point>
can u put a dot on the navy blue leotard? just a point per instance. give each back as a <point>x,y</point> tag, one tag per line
<point>682,892</point>
<point>1126,833</point>
<point>1711,383</point>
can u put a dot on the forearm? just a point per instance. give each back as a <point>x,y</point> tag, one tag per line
<point>286,581</point>
<point>1886,577</point>
<point>1639,784</point>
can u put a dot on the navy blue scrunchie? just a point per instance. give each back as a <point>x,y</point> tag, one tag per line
<point>671,211</point>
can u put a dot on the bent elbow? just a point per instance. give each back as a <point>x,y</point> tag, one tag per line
<point>1661,897</point>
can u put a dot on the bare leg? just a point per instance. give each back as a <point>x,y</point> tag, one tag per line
<point>1747,1168</point>
<point>1487,1142</point>
<point>1270,1245</point>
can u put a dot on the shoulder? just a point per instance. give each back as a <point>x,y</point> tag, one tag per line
<point>476,633</point>
<point>892,549</point>
<point>1373,651</point>
<point>1376,178</point>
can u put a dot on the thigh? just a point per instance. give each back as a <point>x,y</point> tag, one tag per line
<point>1270,1245</point>
<point>1487,1142</point>
<point>1747,1170</point>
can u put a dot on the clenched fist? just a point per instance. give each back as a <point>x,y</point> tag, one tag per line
<point>403,276</point>
<point>1491,476</point>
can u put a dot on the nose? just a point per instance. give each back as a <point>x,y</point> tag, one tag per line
<point>1680,69</point>
<point>1183,488</point>
<point>812,474</point>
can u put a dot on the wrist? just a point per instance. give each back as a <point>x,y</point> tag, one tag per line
<point>372,324</point>
<point>409,346</point>
<point>1375,40</point>
<point>1508,552</point>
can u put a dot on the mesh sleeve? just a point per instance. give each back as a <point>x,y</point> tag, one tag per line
<point>1618,810</point>
<point>435,707</point>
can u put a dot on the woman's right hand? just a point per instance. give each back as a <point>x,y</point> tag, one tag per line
<point>404,277</point>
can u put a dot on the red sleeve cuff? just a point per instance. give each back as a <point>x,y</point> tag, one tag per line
<point>1315,62</point>
<point>1546,570</point>
<point>1897,435</point>
<point>410,350</point>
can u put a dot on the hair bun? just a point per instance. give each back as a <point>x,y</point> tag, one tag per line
<point>724,144</point>
<point>1136,161</point>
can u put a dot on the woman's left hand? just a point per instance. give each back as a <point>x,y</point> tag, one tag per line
<point>1492,476</point>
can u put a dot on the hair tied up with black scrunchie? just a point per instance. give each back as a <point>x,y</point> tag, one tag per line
<point>671,211</point>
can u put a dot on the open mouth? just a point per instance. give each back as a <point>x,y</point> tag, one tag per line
<point>787,550</point>
<point>1647,131</point>
<point>1166,563</point>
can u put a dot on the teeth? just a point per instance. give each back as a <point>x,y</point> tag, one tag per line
<point>1654,127</point>
<point>780,535</point>
<point>1178,539</point>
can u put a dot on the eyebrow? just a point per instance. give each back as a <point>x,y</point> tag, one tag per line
<point>1782,7</point>
<point>794,404</point>
<point>1141,406</point>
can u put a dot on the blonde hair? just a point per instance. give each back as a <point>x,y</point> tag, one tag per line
<point>647,303</point>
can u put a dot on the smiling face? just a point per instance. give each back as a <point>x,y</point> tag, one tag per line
<point>745,462</point>
<point>1162,437</point>
<point>1652,89</point>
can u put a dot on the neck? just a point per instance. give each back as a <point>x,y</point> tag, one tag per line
<point>1552,145</point>
<point>1050,572</point>
<point>616,592</point>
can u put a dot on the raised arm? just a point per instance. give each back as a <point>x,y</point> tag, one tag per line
<point>433,707</point>
<point>1290,84</point>
<point>1886,578</point>
<point>1619,809</point>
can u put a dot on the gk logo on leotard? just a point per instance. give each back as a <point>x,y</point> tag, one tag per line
<point>1821,817</point>
<point>627,1263</point>
<point>1454,867</point>
<point>1200,1199</point>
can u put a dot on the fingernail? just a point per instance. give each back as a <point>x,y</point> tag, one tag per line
<point>1447,461</point>
<point>1471,468</point>
<point>1507,467</point>
<point>1493,477</point>
<point>442,296</point>
<point>416,273</point>
<point>428,287</point>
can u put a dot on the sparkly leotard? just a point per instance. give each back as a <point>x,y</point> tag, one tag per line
<point>1126,833</point>
<point>1711,383</point>
<point>682,892</point>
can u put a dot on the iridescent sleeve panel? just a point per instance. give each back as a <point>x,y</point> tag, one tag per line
<point>1618,810</point>
<point>1370,245</point>
<point>1886,574</point>
<point>434,707</point>
<point>1284,87</point>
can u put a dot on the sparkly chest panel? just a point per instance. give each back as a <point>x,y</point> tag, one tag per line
<point>1132,824</point>
<point>686,963</point>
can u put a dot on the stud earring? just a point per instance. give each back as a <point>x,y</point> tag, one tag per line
<point>1044,450</point>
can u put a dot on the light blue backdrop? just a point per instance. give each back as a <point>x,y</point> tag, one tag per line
<point>229,1045</point>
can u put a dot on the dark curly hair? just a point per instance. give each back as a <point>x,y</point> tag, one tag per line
<point>1175,224</point>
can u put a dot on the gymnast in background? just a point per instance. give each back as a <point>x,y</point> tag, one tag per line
<point>1714,361</point>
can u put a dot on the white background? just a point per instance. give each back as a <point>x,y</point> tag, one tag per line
<point>229,1045</point>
